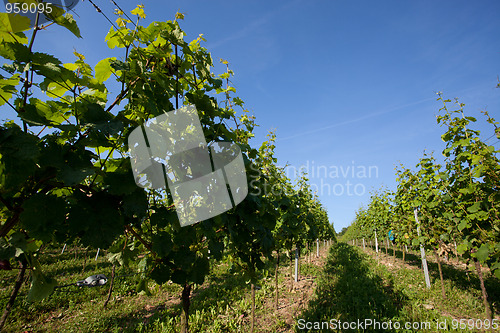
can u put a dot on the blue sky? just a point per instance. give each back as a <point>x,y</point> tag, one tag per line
<point>346,84</point>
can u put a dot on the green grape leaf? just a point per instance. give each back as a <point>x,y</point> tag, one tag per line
<point>18,154</point>
<point>122,257</point>
<point>77,166</point>
<point>7,251</point>
<point>238,101</point>
<point>41,59</point>
<point>94,113</point>
<point>142,287</point>
<point>41,286</point>
<point>143,264</point>
<point>161,273</point>
<point>103,69</point>
<point>495,268</point>
<point>57,88</point>
<point>135,204</point>
<point>96,219</point>
<point>463,224</point>
<point>462,248</point>
<point>173,34</point>
<point>482,253</point>
<point>118,65</point>
<point>444,237</point>
<point>11,26</point>
<point>474,208</point>
<point>216,249</point>
<point>199,270</point>
<point>8,87</point>
<point>203,103</point>
<point>162,244</point>
<point>120,183</point>
<point>163,217</point>
<point>18,240</point>
<point>40,113</point>
<point>114,38</point>
<point>42,214</point>
<point>139,11</point>
<point>15,51</point>
<point>179,276</point>
<point>116,258</point>
<point>117,245</point>
<point>69,23</point>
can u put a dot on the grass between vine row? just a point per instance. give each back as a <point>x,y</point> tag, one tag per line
<point>347,285</point>
<point>221,304</point>
<point>355,286</point>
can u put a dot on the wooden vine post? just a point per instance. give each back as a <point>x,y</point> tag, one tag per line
<point>296,263</point>
<point>443,293</point>
<point>276,279</point>
<point>186,292</point>
<point>13,295</point>
<point>422,252</point>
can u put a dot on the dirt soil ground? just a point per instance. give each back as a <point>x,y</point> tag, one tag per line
<point>291,301</point>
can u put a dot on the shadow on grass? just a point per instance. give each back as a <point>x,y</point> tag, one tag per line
<point>462,279</point>
<point>348,292</point>
<point>223,289</point>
